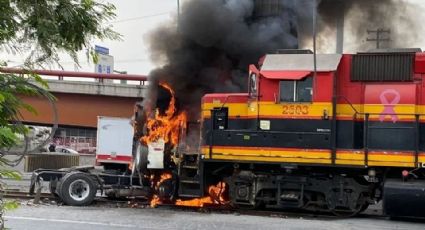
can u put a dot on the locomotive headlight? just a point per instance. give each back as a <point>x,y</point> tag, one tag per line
<point>371,172</point>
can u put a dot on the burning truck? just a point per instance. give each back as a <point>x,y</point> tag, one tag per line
<point>164,166</point>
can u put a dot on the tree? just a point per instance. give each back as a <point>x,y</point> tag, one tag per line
<point>40,30</point>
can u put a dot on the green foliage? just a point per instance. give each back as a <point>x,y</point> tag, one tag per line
<point>7,137</point>
<point>42,28</point>
<point>50,26</point>
<point>10,205</point>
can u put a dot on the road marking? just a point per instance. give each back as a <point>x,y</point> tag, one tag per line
<point>73,222</point>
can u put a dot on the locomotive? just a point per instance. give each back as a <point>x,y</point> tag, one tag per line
<point>336,134</point>
<point>339,137</point>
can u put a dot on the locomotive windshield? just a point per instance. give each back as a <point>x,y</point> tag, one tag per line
<point>253,85</point>
<point>296,91</point>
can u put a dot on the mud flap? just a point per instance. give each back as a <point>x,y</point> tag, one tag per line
<point>404,199</point>
<point>34,180</point>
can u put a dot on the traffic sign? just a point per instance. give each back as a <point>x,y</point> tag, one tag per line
<point>105,64</point>
<point>101,50</point>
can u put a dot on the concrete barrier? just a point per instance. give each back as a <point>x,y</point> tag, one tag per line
<point>50,161</point>
<point>87,159</point>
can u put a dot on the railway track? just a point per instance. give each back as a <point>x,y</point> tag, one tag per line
<point>132,203</point>
<point>100,200</point>
<point>14,194</point>
<point>278,213</point>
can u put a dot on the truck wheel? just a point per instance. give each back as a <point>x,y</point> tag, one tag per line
<point>77,189</point>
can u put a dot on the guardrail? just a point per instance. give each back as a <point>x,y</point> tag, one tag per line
<point>72,74</point>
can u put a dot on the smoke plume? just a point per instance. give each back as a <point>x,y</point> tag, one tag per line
<point>208,49</point>
<point>400,17</point>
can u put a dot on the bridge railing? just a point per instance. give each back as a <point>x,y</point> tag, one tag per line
<point>60,74</point>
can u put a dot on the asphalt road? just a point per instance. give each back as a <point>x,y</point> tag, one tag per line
<point>53,217</point>
<point>105,217</point>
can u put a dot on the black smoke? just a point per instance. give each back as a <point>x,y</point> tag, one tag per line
<point>397,16</point>
<point>208,49</point>
<point>212,45</point>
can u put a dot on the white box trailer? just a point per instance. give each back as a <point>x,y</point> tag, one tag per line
<point>114,142</point>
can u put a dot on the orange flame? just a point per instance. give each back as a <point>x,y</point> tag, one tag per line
<point>157,180</point>
<point>166,126</point>
<point>215,197</point>
<point>155,201</point>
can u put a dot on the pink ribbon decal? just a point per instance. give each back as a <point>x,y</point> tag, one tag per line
<point>389,106</point>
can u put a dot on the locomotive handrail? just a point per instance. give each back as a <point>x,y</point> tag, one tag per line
<point>349,103</point>
<point>367,127</point>
<point>362,113</point>
<point>227,98</point>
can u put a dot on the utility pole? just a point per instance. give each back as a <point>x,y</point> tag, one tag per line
<point>178,9</point>
<point>381,35</point>
<point>340,17</point>
<point>178,13</point>
<point>314,38</point>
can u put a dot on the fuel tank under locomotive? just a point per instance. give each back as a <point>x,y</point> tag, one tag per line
<point>404,198</point>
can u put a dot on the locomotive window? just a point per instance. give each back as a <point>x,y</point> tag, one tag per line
<point>253,85</point>
<point>296,91</point>
<point>287,91</point>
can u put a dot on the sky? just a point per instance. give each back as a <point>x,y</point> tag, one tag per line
<point>135,19</point>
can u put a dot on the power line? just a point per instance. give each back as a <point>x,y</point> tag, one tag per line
<point>141,17</point>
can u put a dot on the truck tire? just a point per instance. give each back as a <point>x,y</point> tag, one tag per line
<point>77,189</point>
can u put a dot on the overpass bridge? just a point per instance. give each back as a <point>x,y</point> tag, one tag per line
<point>79,103</point>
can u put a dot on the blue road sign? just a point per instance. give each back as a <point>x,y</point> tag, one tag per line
<point>101,49</point>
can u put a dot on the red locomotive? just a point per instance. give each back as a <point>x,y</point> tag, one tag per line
<point>338,139</point>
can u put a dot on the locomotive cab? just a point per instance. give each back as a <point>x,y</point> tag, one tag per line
<point>287,106</point>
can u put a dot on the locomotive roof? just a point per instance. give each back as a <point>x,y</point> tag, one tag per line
<point>300,62</point>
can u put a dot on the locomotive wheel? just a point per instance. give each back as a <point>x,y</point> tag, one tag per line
<point>364,207</point>
<point>77,189</point>
<point>346,212</point>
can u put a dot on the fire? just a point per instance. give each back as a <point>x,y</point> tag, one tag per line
<point>155,201</point>
<point>157,180</point>
<point>215,197</point>
<point>164,176</point>
<point>168,125</point>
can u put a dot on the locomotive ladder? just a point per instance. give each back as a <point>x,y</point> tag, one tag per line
<point>190,179</point>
